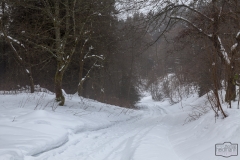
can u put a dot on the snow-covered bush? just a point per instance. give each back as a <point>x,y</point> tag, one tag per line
<point>197,112</point>
<point>172,88</point>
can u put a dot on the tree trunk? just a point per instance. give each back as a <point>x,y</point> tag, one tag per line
<point>231,91</point>
<point>80,85</point>
<point>231,86</point>
<point>58,87</point>
<point>31,83</point>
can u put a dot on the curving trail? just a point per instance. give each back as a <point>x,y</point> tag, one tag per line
<point>140,138</point>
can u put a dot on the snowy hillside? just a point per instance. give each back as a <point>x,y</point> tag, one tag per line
<point>32,127</point>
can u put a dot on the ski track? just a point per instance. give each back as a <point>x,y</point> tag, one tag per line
<point>119,141</point>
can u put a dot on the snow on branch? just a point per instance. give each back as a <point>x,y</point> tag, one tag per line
<point>14,48</point>
<point>233,48</point>
<point>223,51</point>
<point>238,35</point>
<point>94,56</point>
<point>97,65</point>
<point>16,41</point>
<point>13,40</point>
<point>61,68</point>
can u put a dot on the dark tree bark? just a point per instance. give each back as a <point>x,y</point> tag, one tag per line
<point>58,87</point>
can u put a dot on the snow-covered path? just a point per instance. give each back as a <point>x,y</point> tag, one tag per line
<point>89,130</point>
<point>140,138</point>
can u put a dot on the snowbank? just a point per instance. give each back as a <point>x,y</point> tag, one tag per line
<point>31,124</point>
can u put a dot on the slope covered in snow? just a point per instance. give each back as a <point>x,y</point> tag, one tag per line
<point>32,127</point>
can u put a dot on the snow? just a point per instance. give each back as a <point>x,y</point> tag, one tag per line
<point>16,41</point>
<point>33,127</point>
<point>91,48</point>
<point>224,53</point>
<point>234,47</point>
<point>94,56</point>
<point>236,44</point>
<point>61,68</point>
<point>238,34</point>
<point>210,35</point>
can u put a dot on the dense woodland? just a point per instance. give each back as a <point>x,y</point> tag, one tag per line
<point>85,47</point>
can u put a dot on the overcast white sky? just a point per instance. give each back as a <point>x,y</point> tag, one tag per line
<point>129,7</point>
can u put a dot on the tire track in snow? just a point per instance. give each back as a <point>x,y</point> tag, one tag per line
<point>129,144</point>
<point>118,141</point>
